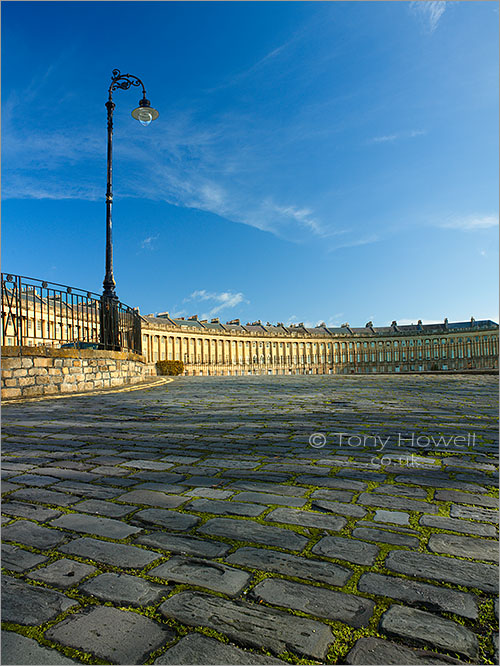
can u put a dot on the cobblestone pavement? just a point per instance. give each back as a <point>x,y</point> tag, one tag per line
<point>194,523</point>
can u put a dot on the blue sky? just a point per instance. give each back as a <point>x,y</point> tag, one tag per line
<point>312,161</point>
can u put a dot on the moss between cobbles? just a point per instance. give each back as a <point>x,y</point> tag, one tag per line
<point>36,634</point>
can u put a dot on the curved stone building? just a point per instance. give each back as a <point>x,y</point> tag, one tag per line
<point>214,348</point>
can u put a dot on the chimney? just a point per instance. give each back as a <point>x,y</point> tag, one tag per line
<point>193,318</point>
<point>215,320</point>
<point>233,321</point>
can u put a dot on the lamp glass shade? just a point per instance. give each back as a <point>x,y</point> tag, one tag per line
<point>145,114</point>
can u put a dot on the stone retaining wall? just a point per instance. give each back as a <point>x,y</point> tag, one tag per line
<point>29,372</point>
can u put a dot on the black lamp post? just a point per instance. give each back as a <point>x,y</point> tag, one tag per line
<point>145,114</point>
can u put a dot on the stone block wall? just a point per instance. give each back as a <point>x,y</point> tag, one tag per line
<point>29,372</point>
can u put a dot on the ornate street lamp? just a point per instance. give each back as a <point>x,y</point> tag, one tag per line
<point>145,114</point>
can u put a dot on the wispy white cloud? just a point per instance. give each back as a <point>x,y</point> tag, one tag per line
<point>469,223</point>
<point>429,12</point>
<point>365,240</point>
<point>385,138</point>
<point>220,301</point>
<point>148,242</point>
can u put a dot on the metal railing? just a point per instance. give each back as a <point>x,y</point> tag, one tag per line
<point>40,313</point>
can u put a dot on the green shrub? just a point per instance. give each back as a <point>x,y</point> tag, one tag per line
<point>170,367</point>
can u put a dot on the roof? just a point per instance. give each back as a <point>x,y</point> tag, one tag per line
<point>297,330</point>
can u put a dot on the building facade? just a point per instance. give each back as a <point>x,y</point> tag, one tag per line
<point>214,348</point>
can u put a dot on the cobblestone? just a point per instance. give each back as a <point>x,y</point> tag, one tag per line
<point>422,594</point>
<point>351,550</point>
<point>347,608</point>
<point>198,649</point>
<point>429,629</point>
<point>251,624</point>
<point>29,605</point>
<point>63,573</point>
<point>107,632</point>
<point>17,649</point>
<point>124,590</point>
<point>243,530</point>
<point>212,575</point>
<point>116,554</point>
<point>166,469</point>
<point>290,565</point>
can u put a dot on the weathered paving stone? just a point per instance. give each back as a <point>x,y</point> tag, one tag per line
<point>404,491</point>
<point>187,545</point>
<point>172,520</point>
<point>31,534</point>
<point>412,592</point>
<point>466,498</point>
<point>68,474</point>
<point>396,517</point>
<point>29,605</point>
<point>208,493</point>
<point>19,560</point>
<point>437,482</point>
<point>473,547</point>
<point>212,575</point>
<point>106,527</point>
<point>105,470</point>
<point>31,511</point>
<point>124,589</point>
<point>120,637</point>
<point>198,649</point>
<point>316,601</point>
<point>383,536</point>
<point>269,498</point>
<point>251,624</point>
<point>333,495</point>
<point>474,513</point>
<point>420,626</point>
<point>306,519</point>
<point>87,490</point>
<point>17,649</point>
<point>457,525</point>
<point>34,480</point>
<point>7,487</point>
<point>63,573</point>
<point>147,464</point>
<point>268,477</point>
<point>203,481</point>
<point>357,552</point>
<point>376,651</point>
<point>157,477</point>
<point>116,554</point>
<point>115,481</point>
<point>338,507</point>
<point>331,482</point>
<point>247,530</point>
<point>290,565</point>
<point>390,502</point>
<point>152,498</point>
<point>446,569</point>
<point>169,488</point>
<point>263,487</point>
<point>44,496</point>
<point>103,508</point>
<point>225,508</point>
